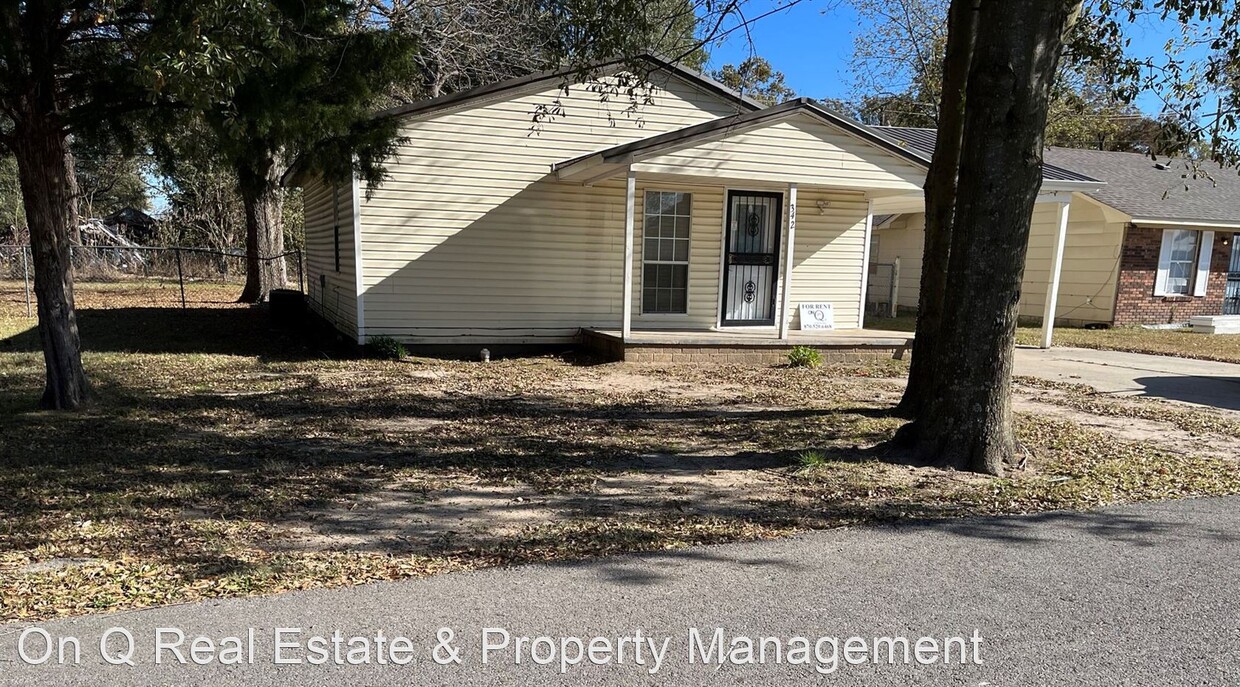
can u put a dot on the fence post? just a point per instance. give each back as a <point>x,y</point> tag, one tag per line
<point>26,279</point>
<point>301,283</point>
<point>181,277</point>
<point>895,287</point>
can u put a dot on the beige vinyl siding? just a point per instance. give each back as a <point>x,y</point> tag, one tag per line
<point>797,150</point>
<point>829,254</point>
<point>904,239</point>
<point>1090,264</point>
<point>705,254</point>
<point>330,293</point>
<point>472,239</point>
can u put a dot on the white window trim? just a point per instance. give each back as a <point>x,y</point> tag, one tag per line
<point>641,259</point>
<point>1206,252</point>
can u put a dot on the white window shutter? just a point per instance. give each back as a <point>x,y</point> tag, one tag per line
<point>1164,263</point>
<point>1203,263</point>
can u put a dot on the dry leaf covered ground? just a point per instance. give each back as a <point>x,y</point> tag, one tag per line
<point>227,458</point>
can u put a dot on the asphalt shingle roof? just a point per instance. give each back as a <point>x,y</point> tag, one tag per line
<point>922,140</point>
<point>1135,184</point>
<point>1165,189</point>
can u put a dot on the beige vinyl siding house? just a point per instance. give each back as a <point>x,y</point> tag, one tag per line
<point>1088,275</point>
<point>473,239</point>
<point>501,224</point>
<point>1090,271</point>
<point>1152,243</point>
<point>331,271</point>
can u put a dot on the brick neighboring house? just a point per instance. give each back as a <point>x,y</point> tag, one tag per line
<point>1155,242</point>
<point>1178,256</point>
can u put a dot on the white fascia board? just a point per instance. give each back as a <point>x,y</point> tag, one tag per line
<point>1188,223</point>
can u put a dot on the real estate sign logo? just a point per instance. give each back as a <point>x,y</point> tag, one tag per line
<point>817,316</point>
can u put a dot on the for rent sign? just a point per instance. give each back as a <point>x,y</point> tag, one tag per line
<point>817,316</point>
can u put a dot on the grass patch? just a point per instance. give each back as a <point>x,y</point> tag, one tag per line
<point>1181,343</point>
<point>804,356</point>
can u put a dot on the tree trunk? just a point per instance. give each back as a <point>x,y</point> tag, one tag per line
<point>75,216</point>
<point>968,422</point>
<point>42,156</point>
<point>264,231</point>
<point>940,193</point>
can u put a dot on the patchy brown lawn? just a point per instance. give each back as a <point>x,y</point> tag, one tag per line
<point>225,458</point>
<point>1177,342</point>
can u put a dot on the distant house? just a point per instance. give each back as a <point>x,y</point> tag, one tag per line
<point>1150,246</point>
<point>133,224</point>
<point>694,218</point>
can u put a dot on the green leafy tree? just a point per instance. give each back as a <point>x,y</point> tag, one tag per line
<point>81,70</point>
<point>310,100</point>
<point>757,79</point>
<point>107,183</point>
<point>898,71</point>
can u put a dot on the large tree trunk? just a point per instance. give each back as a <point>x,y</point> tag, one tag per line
<point>264,231</point>
<point>42,156</point>
<point>968,422</point>
<point>940,193</point>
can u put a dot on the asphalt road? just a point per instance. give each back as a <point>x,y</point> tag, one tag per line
<point>1143,595</point>
<point>1200,382</point>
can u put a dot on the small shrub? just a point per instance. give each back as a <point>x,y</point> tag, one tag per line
<point>812,459</point>
<point>804,356</point>
<point>385,348</point>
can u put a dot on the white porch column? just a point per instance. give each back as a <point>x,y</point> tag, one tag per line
<point>630,200</point>
<point>1052,288</point>
<point>865,262</point>
<point>789,253</point>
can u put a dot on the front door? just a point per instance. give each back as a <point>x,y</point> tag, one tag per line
<point>751,258</point>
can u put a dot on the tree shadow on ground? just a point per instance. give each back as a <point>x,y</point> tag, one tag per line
<point>242,331</point>
<point>354,466</point>
<point>1217,392</point>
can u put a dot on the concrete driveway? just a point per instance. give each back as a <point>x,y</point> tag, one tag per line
<point>1200,382</point>
<point>1141,595</point>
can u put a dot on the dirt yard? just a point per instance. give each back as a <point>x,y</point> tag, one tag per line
<point>225,457</point>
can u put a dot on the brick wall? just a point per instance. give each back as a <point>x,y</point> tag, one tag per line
<point>1135,302</point>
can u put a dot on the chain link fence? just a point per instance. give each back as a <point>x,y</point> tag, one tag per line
<point>131,276</point>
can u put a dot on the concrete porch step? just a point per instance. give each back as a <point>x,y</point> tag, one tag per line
<point>1216,324</point>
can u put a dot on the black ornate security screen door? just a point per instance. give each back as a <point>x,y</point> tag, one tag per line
<point>751,258</point>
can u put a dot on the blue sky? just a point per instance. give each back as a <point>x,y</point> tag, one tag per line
<point>811,43</point>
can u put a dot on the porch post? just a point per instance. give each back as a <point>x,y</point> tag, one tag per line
<point>789,252</point>
<point>1052,289</point>
<point>865,262</point>
<point>630,199</point>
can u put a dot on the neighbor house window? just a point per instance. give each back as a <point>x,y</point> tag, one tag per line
<point>665,253</point>
<point>1183,263</point>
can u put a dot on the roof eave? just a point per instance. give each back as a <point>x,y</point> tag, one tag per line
<point>1072,185</point>
<point>1182,222</point>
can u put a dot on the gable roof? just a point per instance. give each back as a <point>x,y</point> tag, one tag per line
<point>923,140</point>
<point>600,162</point>
<point>1158,190</point>
<point>656,63</point>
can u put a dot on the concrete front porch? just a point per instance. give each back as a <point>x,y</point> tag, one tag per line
<point>753,347</point>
